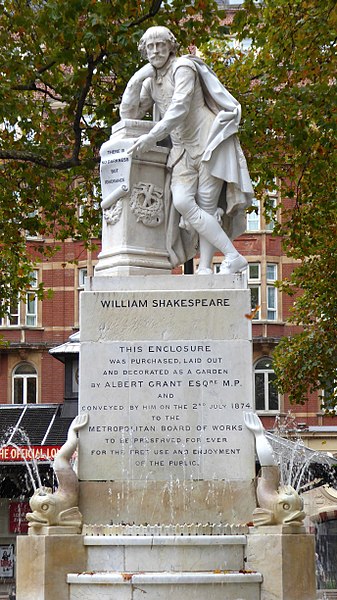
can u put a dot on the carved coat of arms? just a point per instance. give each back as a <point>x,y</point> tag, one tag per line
<point>147,204</point>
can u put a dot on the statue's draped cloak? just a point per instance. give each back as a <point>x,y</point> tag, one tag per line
<point>225,160</point>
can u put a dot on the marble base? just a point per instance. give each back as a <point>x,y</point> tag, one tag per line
<point>286,560</point>
<point>191,567</point>
<point>162,586</point>
<point>43,562</point>
<point>162,553</point>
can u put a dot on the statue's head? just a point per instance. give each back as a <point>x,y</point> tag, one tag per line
<point>157,45</point>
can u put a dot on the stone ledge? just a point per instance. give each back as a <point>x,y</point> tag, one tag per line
<point>236,281</point>
<point>163,578</point>
<point>278,529</point>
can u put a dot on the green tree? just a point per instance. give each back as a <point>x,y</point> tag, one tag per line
<point>64,66</point>
<point>286,84</point>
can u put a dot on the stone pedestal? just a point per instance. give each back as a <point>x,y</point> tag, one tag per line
<point>166,464</point>
<point>43,562</point>
<point>286,558</point>
<point>166,373</point>
<point>134,224</point>
<point>159,567</point>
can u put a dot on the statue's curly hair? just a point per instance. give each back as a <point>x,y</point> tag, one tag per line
<point>158,31</point>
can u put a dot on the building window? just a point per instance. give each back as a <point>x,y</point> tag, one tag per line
<point>266,394</point>
<point>82,275</point>
<point>271,276</point>
<point>74,376</point>
<point>25,312</point>
<point>263,291</point>
<point>272,204</point>
<point>254,283</point>
<point>13,317</point>
<point>253,218</point>
<point>263,215</point>
<point>31,302</point>
<point>24,384</point>
<point>329,395</point>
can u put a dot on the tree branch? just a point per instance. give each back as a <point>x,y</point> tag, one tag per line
<point>32,87</point>
<point>92,63</point>
<point>59,165</point>
<point>155,6</point>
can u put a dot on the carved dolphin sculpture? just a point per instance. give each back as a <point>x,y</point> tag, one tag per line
<point>60,507</point>
<point>276,504</point>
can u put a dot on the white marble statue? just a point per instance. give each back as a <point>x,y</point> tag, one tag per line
<point>209,177</point>
<point>59,507</point>
<point>277,504</point>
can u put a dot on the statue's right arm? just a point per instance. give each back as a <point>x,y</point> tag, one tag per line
<point>137,100</point>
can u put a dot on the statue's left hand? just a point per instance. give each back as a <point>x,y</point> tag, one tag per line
<point>143,144</point>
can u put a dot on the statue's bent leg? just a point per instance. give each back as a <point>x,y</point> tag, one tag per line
<point>205,224</point>
<point>209,189</point>
<point>195,194</point>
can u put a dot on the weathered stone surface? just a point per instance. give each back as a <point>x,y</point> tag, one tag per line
<point>167,502</point>
<point>43,563</point>
<point>134,206</point>
<point>165,378</point>
<point>286,562</point>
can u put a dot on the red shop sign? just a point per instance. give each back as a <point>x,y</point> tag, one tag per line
<point>23,453</point>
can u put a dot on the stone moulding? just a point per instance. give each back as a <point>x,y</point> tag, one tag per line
<point>197,529</point>
<point>164,578</point>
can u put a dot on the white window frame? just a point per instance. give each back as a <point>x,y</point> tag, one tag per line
<point>267,372</point>
<point>255,283</point>
<point>24,377</point>
<point>13,315</point>
<point>332,411</point>
<point>254,218</point>
<point>31,316</point>
<point>82,274</point>
<point>273,198</point>
<point>271,292</point>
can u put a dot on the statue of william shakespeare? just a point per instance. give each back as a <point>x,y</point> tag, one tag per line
<point>210,184</point>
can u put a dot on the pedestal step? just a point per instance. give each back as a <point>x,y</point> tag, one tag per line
<point>165,553</point>
<point>161,586</point>
<point>191,567</point>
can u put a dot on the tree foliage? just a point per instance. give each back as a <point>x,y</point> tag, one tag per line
<point>286,84</point>
<point>64,66</point>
